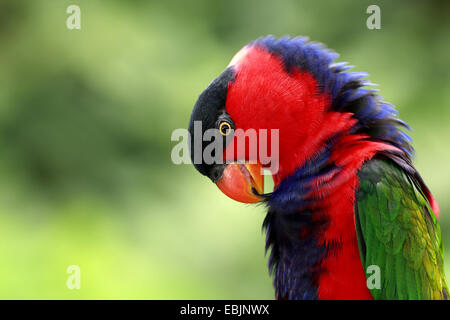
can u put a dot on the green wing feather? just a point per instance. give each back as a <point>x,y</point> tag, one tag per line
<point>398,232</point>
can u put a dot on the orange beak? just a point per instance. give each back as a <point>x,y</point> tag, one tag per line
<point>242,182</point>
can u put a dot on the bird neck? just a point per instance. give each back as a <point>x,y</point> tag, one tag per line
<point>311,217</point>
<point>310,149</point>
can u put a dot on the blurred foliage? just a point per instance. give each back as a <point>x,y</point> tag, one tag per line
<point>85,123</point>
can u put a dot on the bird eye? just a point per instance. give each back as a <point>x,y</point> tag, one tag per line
<point>225,128</point>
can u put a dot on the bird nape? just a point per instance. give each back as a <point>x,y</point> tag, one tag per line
<point>349,217</point>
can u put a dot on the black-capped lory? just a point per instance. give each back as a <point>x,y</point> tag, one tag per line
<point>349,216</point>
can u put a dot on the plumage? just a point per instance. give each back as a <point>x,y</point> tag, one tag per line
<point>395,221</point>
<point>346,196</point>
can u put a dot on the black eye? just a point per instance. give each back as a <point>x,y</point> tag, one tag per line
<point>224,128</point>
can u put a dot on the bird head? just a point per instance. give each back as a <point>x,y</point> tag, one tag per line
<point>290,89</point>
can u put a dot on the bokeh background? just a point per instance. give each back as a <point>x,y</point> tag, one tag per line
<point>86,117</point>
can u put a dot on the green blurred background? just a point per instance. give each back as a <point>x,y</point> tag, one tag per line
<point>86,118</point>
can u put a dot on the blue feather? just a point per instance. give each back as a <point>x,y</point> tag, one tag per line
<point>346,89</point>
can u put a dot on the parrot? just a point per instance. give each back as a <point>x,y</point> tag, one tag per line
<point>349,217</point>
